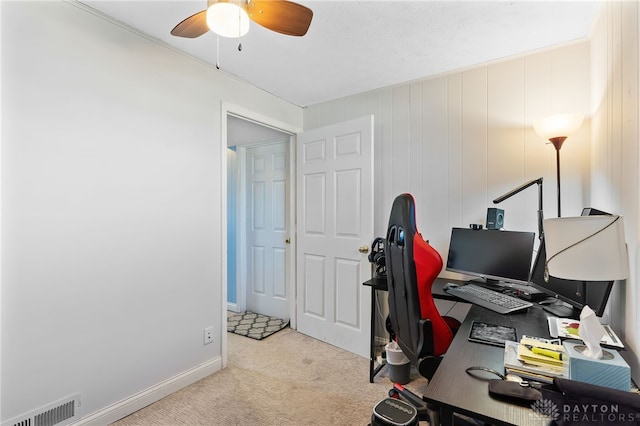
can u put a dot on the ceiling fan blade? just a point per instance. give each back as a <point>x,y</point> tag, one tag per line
<point>281,16</point>
<point>192,27</point>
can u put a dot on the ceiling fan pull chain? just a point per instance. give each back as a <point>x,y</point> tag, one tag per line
<point>217,52</point>
<point>239,29</point>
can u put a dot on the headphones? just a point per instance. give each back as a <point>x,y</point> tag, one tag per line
<point>377,257</point>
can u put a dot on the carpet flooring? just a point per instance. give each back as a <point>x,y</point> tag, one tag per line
<point>288,379</point>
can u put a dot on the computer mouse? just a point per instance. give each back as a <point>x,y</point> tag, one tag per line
<point>447,286</point>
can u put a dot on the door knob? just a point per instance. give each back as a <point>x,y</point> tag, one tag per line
<point>288,240</point>
<point>364,249</point>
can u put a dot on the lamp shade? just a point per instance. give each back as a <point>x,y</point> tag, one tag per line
<point>586,248</point>
<point>227,19</point>
<point>559,125</point>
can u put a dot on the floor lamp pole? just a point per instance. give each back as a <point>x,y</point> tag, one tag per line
<point>550,127</point>
<point>557,143</point>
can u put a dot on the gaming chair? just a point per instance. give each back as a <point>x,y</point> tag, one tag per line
<point>411,266</point>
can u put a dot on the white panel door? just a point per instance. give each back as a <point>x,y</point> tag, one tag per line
<point>334,221</point>
<point>267,225</point>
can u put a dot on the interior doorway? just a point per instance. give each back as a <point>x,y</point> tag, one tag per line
<point>347,140</point>
<point>259,219</point>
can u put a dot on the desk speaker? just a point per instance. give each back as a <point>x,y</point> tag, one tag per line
<point>495,218</point>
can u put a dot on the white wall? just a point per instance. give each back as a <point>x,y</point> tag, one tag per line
<point>460,140</point>
<point>615,154</point>
<point>112,225</point>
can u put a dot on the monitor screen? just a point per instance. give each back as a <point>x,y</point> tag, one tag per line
<point>569,291</point>
<point>491,254</point>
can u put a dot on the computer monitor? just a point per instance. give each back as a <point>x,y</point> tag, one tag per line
<point>491,255</point>
<point>568,291</point>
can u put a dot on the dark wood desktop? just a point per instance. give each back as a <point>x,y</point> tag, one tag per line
<point>452,390</point>
<point>455,391</point>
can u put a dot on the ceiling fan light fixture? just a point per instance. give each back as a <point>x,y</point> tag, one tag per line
<point>228,19</point>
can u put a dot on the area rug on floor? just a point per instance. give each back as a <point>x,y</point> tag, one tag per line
<point>256,326</point>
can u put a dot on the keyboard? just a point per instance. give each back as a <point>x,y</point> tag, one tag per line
<point>493,300</point>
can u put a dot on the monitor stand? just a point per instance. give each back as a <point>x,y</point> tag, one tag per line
<point>490,284</point>
<point>561,310</point>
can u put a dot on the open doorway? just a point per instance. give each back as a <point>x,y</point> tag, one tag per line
<point>259,219</point>
<point>349,171</point>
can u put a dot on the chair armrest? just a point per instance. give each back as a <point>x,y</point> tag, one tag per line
<point>425,344</point>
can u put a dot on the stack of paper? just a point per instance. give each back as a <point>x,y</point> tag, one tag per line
<point>570,328</point>
<point>534,360</point>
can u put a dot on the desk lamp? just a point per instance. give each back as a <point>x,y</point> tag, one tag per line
<point>586,248</point>
<point>557,128</point>
<point>589,248</point>
<point>521,188</point>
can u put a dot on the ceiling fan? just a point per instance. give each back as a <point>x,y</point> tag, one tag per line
<point>230,18</point>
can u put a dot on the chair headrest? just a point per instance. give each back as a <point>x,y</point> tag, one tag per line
<point>403,213</point>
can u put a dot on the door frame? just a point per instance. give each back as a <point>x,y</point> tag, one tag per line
<point>227,109</point>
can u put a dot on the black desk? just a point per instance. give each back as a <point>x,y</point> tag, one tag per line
<point>375,284</point>
<point>453,390</point>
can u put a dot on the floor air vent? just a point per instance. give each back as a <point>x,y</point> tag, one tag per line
<point>60,413</point>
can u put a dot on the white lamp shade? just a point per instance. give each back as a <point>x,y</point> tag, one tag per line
<point>559,125</point>
<point>586,248</point>
<point>227,19</point>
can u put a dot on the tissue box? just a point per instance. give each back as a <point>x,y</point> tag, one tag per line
<point>612,373</point>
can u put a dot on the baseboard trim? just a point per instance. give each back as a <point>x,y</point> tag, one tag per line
<point>233,307</point>
<point>148,396</point>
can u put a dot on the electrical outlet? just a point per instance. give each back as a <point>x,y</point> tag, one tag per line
<point>208,335</point>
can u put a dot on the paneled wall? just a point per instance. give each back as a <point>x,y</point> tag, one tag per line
<point>615,153</point>
<point>460,140</point>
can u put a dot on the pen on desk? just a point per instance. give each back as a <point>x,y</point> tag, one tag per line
<point>545,352</point>
<point>613,337</point>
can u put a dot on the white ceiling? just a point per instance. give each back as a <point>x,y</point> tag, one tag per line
<point>357,46</point>
<point>244,132</point>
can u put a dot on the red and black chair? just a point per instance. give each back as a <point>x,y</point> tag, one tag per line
<point>411,266</point>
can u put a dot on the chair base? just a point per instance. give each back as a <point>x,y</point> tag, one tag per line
<point>427,366</point>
